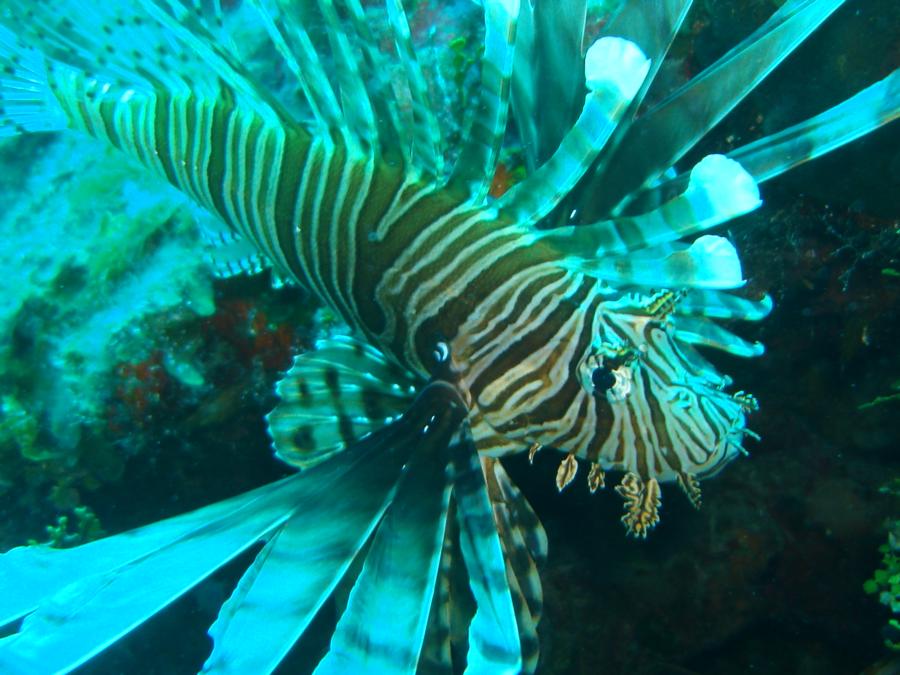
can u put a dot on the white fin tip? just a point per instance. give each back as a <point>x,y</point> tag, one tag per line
<point>617,63</point>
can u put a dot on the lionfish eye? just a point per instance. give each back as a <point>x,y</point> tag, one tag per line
<point>602,379</point>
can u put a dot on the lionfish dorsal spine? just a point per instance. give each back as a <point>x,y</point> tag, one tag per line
<point>615,69</point>
<point>474,169</point>
<point>663,134</point>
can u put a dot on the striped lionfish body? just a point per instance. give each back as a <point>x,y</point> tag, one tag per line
<point>567,313</point>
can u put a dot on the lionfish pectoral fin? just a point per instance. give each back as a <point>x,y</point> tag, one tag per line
<point>548,67</point>
<point>403,514</point>
<point>524,545</point>
<point>871,108</point>
<point>229,254</point>
<point>715,304</point>
<point>770,156</point>
<point>79,601</point>
<point>383,627</point>
<point>332,396</point>
<point>477,161</point>
<point>706,333</point>
<point>494,633</point>
<point>652,27</point>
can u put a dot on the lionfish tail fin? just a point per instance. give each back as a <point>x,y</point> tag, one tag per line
<point>27,104</point>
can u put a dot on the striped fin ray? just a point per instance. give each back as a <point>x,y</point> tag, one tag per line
<point>426,149</point>
<point>521,516</point>
<point>494,645</point>
<point>333,396</point>
<point>394,136</point>
<point>548,68</point>
<point>871,108</point>
<point>476,164</point>
<point>383,627</point>
<point>525,546</point>
<point>614,71</point>
<point>145,44</point>
<point>661,136</point>
<point>36,576</point>
<point>210,15</point>
<point>293,44</point>
<point>266,615</point>
<point>714,304</point>
<point>102,38</point>
<point>145,570</point>
<point>80,600</point>
<point>709,262</point>
<point>437,657</point>
<point>719,190</point>
<point>772,155</point>
<point>653,27</point>
<point>705,333</point>
<point>230,254</point>
<point>190,29</point>
<point>355,102</point>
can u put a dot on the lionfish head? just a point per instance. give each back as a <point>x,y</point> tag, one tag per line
<point>620,385</point>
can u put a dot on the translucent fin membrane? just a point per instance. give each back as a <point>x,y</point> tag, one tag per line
<point>400,573</point>
<point>525,547</point>
<point>357,107</point>
<point>334,395</point>
<point>427,135</point>
<point>717,305</point>
<point>771,156</point>
<point>653,27</point>
<point>493,634</point>
<point>80,600</point>
<point>869,109</point>
<point>86,598</point>
<point>292,42</point>
<point>395,136</point>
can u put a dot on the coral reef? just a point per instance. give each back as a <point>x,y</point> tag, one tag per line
<point>112,330</point>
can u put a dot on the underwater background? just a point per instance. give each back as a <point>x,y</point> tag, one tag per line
<point>133,387</point>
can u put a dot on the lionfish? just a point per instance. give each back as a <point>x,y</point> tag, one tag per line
<point>567,313</point>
